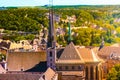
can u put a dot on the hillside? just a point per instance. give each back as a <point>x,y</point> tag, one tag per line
<point>90,24</point>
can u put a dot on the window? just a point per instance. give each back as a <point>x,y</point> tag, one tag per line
<point>79,67</point>
<point>43,77</point>
<point>60,67</point>
<point>21,69</point>
<point>66,67</point>
<point>50,59</point>
<point>91,72</point>
<point>50,54</point>
<point>96,72</point>
<point>73,67</point>
<point>50,64</point>
<point>86,73</point>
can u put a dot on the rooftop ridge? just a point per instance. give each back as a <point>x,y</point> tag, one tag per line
<point>71,53</point>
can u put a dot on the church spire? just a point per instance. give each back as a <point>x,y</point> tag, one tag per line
<point>69,33</point>
<point>51,34</point>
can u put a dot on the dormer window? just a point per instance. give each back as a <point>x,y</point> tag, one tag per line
<point>50,53</point>
<point>21,69</point>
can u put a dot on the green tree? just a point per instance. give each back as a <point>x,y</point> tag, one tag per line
<point>114,73</point>
<point>2,56</point>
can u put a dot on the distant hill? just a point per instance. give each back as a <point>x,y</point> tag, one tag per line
<point>95,20</point>
<point>4,8</point>
<point>61,6</point>
<point>65,7</point>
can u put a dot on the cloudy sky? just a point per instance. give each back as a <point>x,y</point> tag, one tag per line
<point>6,3</point>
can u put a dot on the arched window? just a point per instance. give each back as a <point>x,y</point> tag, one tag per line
<point>79,67</point>
<point>21,69</point>
<point>60,67</point>
<point>66,67</point>
<point>50,64</point>
<point>86,73</point>
<point>50,53</point>
<point>91,73</point>
<point>73,67</point>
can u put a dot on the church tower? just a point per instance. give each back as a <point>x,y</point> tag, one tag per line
<point>69,33</point>
<point>51,43</point>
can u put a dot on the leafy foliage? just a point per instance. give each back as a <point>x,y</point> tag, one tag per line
<point>2,56</point>
<point>94,22</point>
<point>114,73</point>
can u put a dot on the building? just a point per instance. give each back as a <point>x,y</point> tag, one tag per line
<point>75,61</point>
<point>72,62</point>
<point>26,61</point>
<point>110,56</point>
<point>49,74</point>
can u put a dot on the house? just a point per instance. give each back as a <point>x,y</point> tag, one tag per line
<point>71,19</point>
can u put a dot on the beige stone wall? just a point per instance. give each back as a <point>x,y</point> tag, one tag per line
<point>71,67</point>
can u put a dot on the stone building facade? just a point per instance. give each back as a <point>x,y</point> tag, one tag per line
<point>75,61</point>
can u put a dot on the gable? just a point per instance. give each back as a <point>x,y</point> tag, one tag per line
<point>70,53</point>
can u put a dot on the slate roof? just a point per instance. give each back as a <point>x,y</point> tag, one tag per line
<point>20,76</point>
<point>70,52</point>
<point>76,54</point>
<point>49,74</point>
<point>70,55</point>
<point>18,61</point>
<point>40,67</point>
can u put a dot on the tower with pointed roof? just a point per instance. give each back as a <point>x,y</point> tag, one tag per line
<point>51,43</point>
<point>69,33</point>
<point>71,60</point>
<point>51,34</point>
